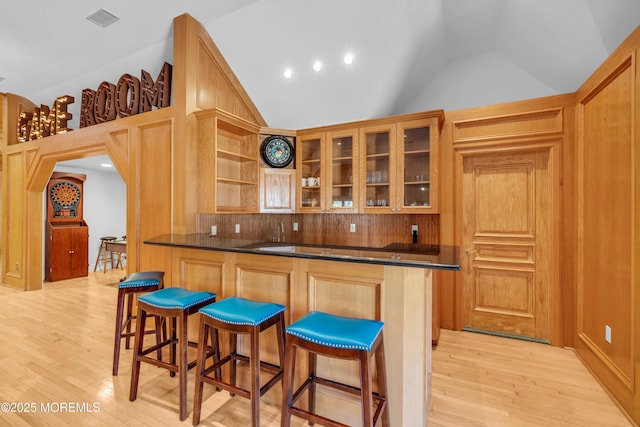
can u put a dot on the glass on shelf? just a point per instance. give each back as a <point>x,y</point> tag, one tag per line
<point>377,196</point>
<point>310,197</point>
<point>341,197</point>
<point>416,195</point>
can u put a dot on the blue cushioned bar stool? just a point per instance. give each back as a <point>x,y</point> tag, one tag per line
<point>133,284</point>
<point>239,316</point>
<point>176,304</point>
<point>337,337</point>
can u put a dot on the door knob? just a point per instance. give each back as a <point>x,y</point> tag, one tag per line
<point>469,251</point>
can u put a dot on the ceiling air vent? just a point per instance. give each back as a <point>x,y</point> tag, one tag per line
<point>102,18</point>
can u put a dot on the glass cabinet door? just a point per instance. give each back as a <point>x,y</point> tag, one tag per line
<point>379,168</point>
<point>416,153</point>
<point>309,160</point>
<point>416,167</point>
<point>342,172</point>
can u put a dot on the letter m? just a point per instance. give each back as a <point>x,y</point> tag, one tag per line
<point>158,93</point>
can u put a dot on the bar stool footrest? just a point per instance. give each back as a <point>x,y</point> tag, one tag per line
<point>275,369</point>
<point>336,386</point>
<point>315,418</point>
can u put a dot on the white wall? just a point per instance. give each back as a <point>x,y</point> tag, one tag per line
<point>494,80</point>
<point>105,206</point>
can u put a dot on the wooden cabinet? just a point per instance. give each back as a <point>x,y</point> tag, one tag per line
<point>328,167</point>
<point>277,190</point>
<point>388,165</point>
<point>399,161</point>
<point>67,235</point>
<point>227,163</point>
<point>67,251</point>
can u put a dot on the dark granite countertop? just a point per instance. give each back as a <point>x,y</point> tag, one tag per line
<point>396,254</point>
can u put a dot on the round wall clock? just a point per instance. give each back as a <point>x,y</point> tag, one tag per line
<point>277,151</point>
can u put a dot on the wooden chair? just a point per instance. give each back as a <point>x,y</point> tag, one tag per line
<point>339,337</point>
<point>103,254</point>
<point>238,316</point>
<point>134,284</point>
<point>176,304</point>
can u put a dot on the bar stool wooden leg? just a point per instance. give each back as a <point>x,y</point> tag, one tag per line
<point>366,389</point>
<point>118,334</point>
<point>382,381</point>
<point>287,391</point>
<point>254,374</point>
<point>183,363</point>
<point>313,363</point>
<point>135,366</point>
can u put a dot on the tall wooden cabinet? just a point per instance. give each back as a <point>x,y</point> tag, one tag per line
<point>66,234</point>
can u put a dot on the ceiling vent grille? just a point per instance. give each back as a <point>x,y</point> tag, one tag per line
<point>102,18</point>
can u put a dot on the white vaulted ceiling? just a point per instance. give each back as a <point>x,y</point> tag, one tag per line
<point>410,55</point>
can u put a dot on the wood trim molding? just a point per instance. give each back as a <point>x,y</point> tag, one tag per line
<point>508,130</point>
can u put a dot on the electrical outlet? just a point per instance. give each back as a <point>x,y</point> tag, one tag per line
<point>414,227</point>
<point>295,226</point>
<point>607,333</point>
<point>237,228</point>
<point>214,230</point>
<point>352,228</point>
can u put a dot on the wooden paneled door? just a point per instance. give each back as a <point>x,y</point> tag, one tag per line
<point>506,243</point>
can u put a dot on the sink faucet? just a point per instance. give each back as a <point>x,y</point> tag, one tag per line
<point>281,232</point>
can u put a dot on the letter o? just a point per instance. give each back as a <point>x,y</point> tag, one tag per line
<point>128,99</point>
<point>104,103</point>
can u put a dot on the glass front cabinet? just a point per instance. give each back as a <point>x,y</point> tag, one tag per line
<point>388,165</point>
<point>310,167</point>
<point>400,164</point>
<point>328,171</point>
<point>417,166</point>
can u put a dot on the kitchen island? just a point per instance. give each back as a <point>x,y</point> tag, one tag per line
<point>392,284</point>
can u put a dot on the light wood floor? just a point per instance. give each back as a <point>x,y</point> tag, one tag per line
<point>56,350</point>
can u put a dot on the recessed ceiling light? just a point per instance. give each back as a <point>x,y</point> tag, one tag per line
<point>288,73</point>
<point>102,18</point>
<point>106,165</point>
<point>317,66</point>
<point>348,58</point>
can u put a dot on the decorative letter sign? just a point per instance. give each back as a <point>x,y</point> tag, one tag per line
<point>43,121</point>
<point>129,97</point>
